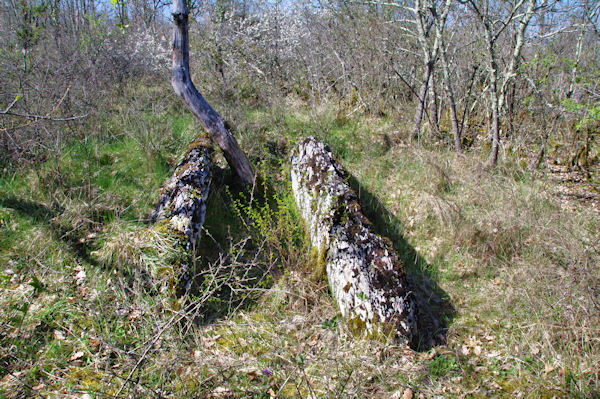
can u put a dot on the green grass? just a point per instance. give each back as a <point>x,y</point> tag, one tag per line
<point>509,272</point>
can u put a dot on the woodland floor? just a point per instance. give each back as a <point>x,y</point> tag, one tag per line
<point>506,264</point>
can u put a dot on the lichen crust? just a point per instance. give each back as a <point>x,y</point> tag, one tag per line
<point>365,274</point>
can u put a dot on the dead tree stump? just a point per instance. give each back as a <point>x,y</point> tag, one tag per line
<point>364,272</point>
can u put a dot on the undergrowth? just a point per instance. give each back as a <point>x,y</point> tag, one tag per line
<point>80,316</point>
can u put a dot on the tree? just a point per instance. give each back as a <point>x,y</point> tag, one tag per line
<point>448,88</point>
<point>426,16</point>
<point>495,19</point>
<point>182,83</point>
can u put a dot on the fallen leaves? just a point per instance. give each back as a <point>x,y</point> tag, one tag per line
<point>253,374</point>
<point>76,356</point>
<point>403,394</point>
<point>408,394</point>
<point>80,275</point>
<point>472,346</point>
<point>39,387</point>
<point>209,341</point>
<point>314,340</point>
<point>465,350</point>
<point>220,392</point>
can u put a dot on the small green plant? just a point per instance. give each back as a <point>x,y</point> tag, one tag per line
<point>37,285</point>
<point>441,365</point>
<point>271,216</point>
<point>330,324</point>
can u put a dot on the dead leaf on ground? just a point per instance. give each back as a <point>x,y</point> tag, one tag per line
<point>207,342</point>
<point>314,340</point>
<point>251,373</point>
<point>429,355</point>
<point>80,277</point>
<point>220,392</point>
<point>76,355</point>
<point>465,350</point>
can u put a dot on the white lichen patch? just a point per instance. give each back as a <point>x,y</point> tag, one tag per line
<point>183,197</point>
<point>365,274</point>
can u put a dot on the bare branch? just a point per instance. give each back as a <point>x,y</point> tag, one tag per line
<point>43,117</point>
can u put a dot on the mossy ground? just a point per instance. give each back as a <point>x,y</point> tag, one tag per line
<point>517,265</point>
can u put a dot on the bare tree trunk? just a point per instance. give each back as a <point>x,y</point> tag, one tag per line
<point>433,104</point>
<point>455,127</point>
<point>577,59</point>
<point>499,82</point>
<point>206,115</point>
<point>421,9</point>
<point>451,103</point>
<point>448,89</point>
<point>365,275</point>
<point>495,105</point>
<point>422,99</point>
<point>515,60</point>
<point>495,131</point>
<point>535,162</point>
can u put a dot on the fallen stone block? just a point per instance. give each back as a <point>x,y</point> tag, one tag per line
<point>181,206</point>
<point>365,274</point>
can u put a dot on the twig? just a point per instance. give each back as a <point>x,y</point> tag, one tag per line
<point>26,385</point>
<point>42,117</point>
<point>308,383</point>
<point>11,105</point>
<point>148,347</point>
<point>34,118</point>
<point>345,383</point>
<point>286,381</point>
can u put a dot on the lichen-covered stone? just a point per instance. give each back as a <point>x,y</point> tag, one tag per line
<point>182,207</point>
<point>364,272</point>
<point>182,201</point>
